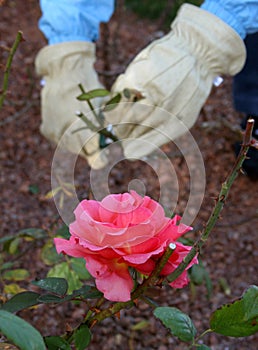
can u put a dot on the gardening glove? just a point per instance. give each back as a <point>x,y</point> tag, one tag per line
<point>174,74</point>
<point>63,66</point>
<point>70,27</point>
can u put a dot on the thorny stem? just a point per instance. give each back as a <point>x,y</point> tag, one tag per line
<point>225,188</point>
<point>91,126</point>
<point>92,318</point>
<point>102,130</point>
<point>7,69</point>
<point>115,308</point>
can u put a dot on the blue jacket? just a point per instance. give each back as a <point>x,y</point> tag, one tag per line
<point>73,20</point>
<point>241,15</point>
<point>78,20</point>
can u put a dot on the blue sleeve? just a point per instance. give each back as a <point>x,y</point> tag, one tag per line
<point>241,15</point>
<point>73,20</point>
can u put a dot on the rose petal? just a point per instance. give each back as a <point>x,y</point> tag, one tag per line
<point>91,207</point>
<point>119,203</point>
<point>181,281</point>
<point>145,268</point>
<point>124,230</point>
<point>94,232</point>
<point>112,278</point>
<point>145,250</point>
<point>70,247</point>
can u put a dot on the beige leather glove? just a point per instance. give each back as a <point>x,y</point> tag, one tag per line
<point>63,66</point>
<point>174,74</point>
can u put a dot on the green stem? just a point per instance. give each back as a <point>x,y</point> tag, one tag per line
<point>98,118</point>
<point>94,128</point>
<point>102,130</point>
<point>88,122</point>
<point>209,330</point>
<point>108,134</point>
<point>16,43</point>
<point>219,204</point>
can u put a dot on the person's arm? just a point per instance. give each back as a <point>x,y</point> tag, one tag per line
<point>241,15</point>
<point>73,20</point>
<point>70,28</point>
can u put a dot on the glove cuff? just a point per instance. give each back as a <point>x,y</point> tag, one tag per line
<point>225,15</point>
<point>219,45</point>
<point>57,52</point>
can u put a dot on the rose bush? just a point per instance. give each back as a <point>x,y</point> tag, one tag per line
<point>122,231</point>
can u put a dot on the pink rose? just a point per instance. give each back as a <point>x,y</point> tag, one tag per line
<point>124,230</point>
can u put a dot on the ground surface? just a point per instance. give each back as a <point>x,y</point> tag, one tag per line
<point>231,253</point>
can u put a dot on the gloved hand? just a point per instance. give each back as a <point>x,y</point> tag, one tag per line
<point>63,66</point>
<point>175,74</point>
<point>70,27</point>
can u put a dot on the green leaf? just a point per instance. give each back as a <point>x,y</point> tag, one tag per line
<point>133,95</point>
<point>20,332</point>
<point>56,343</point>
<point>78,265</point>
<point>49,254</point>
<point>12,288</point>
<point>127,93</point>
<point>179,323</point>
<point>82,337</point>
<point>63,270</point>
<point>63,232</point>
<point>250,300</point>
<point>35,233</point>
<point>21,301</point>
<point>6,239</point>
<point>202,347</point>
<point>50,298</point>
<point>87,292</point>
<point>14,244</point>
<point>7,265</point>
<point>199,275</point>
<point>16,275</point>
<point>237,319</point>
<point>55,285</point>
<point>93,94</point>
<point>112,103</point>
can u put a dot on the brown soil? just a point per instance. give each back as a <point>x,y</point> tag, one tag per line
<point>230,254</point>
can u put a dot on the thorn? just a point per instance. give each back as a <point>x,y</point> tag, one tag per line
<point>96,310</point>
<point>159,282</point>
<point>68,328</point>
<point>118,315</point>
<point>136,302</point>
<point>93,323</point>
<point>242,171</point>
